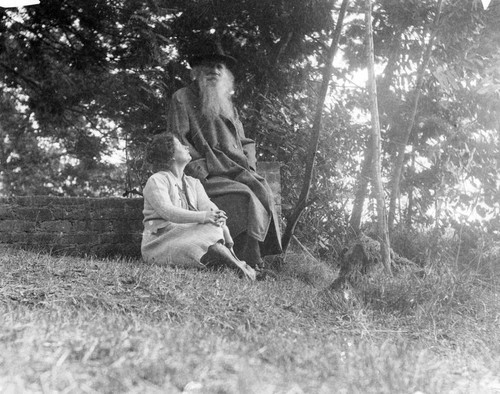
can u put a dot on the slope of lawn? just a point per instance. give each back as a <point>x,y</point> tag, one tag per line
<point>84,325</point>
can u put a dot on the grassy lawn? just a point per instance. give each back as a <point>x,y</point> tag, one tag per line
<point>78,325</point>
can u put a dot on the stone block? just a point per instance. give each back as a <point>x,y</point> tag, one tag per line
<point>11,237</point>
<point>16,226</point>
<point>43,239</point>
<point>78,226</point>
<point>65,202</point>
<point>110,238</point>
<point>84,239</point>
<point>78,212</point>
<point>110,202</point>
<point>7,212</point>
<point>100,226</point>
<point>54,226</point>
<point>133,208</point>
<point>35,214</point>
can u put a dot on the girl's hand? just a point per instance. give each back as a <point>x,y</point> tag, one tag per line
<point>217,217</point>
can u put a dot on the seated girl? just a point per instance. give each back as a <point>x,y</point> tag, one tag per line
<point>182,226</point>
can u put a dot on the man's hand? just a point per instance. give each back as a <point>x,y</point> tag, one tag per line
<point>198,169</point>
<point>228,240</point>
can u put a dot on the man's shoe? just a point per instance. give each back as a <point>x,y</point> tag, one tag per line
<point>265,274</point>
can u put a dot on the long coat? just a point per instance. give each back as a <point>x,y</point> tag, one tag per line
<point>224,160</point>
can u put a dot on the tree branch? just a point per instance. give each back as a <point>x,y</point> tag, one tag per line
<point>398,165</point>
<point>316,131</point>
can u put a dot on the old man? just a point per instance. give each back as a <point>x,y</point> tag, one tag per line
<point>204,117</point>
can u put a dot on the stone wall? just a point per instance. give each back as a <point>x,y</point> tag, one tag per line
<point>85,226</point>
<point>73,225</point>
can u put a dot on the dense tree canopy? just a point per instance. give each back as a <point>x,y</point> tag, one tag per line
<point>81,79</point>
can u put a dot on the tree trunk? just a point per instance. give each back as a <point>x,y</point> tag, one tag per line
<point>398,165</point>
<point>409,210</point>
<point>361,189</point>
<point>316,131</point>
<point>383,232</point>
<point>366,169</point>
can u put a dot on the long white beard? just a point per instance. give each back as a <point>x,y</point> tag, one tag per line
<point>216,98</point>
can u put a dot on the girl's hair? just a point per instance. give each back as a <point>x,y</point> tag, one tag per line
<point>161,149</point>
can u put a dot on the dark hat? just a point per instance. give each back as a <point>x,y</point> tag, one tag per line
<point>211,51</point>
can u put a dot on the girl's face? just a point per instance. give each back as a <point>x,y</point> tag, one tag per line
<point>181,152</point>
